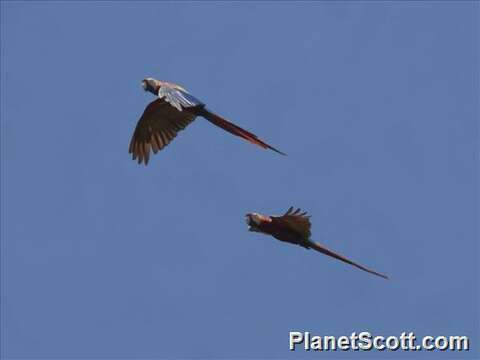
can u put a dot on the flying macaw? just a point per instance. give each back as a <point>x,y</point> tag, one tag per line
<point>294,227</point>
<point>170,113</point>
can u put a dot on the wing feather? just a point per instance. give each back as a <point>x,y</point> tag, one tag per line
<point>157,127</point>
<point>155,145</point>
<point>177,97</point>
<point>300,223</point>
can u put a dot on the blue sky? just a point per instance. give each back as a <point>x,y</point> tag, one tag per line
<point>377,106</point>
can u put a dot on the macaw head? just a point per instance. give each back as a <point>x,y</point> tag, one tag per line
<point>151,84</point>
<point>254,220</point>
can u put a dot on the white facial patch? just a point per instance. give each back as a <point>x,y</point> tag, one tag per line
<point>258,218</point>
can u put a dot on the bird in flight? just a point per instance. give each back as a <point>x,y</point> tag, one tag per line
<point>294,227</point>
<point>170,113</point>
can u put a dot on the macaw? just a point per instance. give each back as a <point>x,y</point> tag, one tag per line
<point>294,227</point>
<point>170,113</point>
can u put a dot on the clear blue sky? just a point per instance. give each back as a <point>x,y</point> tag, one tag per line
<point>377,106</point>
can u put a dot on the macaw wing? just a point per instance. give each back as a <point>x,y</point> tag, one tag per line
<point>297,221</point>
<point>177,97</point>
<point>157,127</point>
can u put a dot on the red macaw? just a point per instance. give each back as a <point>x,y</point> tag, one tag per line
<point>170,113</point>
<point>294,227</point>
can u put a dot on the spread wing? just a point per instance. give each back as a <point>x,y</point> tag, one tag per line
<point>178,97</point>
<point>297,221</point>
<point>158,126</point>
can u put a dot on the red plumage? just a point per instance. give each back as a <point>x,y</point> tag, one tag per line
<point>294,227</point>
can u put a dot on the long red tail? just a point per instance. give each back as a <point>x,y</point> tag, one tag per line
<point>235,130</point>
<point>328,252</point>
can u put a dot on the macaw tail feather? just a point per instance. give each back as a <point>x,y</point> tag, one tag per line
<point>328,252</point>
<point>235,130</point>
